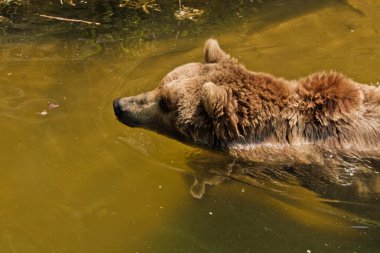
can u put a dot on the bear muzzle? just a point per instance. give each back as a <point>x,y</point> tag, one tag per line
<point>122,108</point>
<point>136,110</point>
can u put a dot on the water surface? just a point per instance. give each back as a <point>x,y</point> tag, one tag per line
<point>74,179</point>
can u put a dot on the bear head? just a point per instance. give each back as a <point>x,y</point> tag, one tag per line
<point>192,103</point>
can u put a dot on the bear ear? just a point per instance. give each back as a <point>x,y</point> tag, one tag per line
<point>214,99</point>
<point>213,53</point>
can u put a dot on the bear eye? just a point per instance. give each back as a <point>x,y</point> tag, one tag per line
<point>163,105</point>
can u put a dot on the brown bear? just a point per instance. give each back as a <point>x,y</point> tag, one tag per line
<point>222,105</point>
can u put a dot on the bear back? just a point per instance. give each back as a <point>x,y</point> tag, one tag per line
<point>328,96</point>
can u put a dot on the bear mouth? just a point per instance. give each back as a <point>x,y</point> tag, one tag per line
<point>128,120</point>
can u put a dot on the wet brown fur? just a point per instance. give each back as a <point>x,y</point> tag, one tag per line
<point>221,104</point>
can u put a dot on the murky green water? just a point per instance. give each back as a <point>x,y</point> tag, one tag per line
<point>74,179</point>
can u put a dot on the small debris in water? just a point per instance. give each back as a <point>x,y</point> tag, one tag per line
<point>49,106</point>
<point>52,105</point>
<point>188,13</point>
<point>210,213</point>
<point>160,187</point>
<point>360,227</point>
<point>145,5</point>
<point>308,251</point>
<point>243,190</point>
<point>43,113</point>
<point>10,73</point>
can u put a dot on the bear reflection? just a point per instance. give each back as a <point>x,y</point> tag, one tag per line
<point>337,178</point>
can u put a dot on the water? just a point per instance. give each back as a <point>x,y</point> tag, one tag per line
<point>74,179</point>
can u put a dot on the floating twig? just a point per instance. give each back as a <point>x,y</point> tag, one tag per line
<point>70,20</point>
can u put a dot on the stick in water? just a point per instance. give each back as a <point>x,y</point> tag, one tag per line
<point>69,20</point>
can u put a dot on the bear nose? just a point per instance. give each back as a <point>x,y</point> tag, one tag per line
<point>117,108</point>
